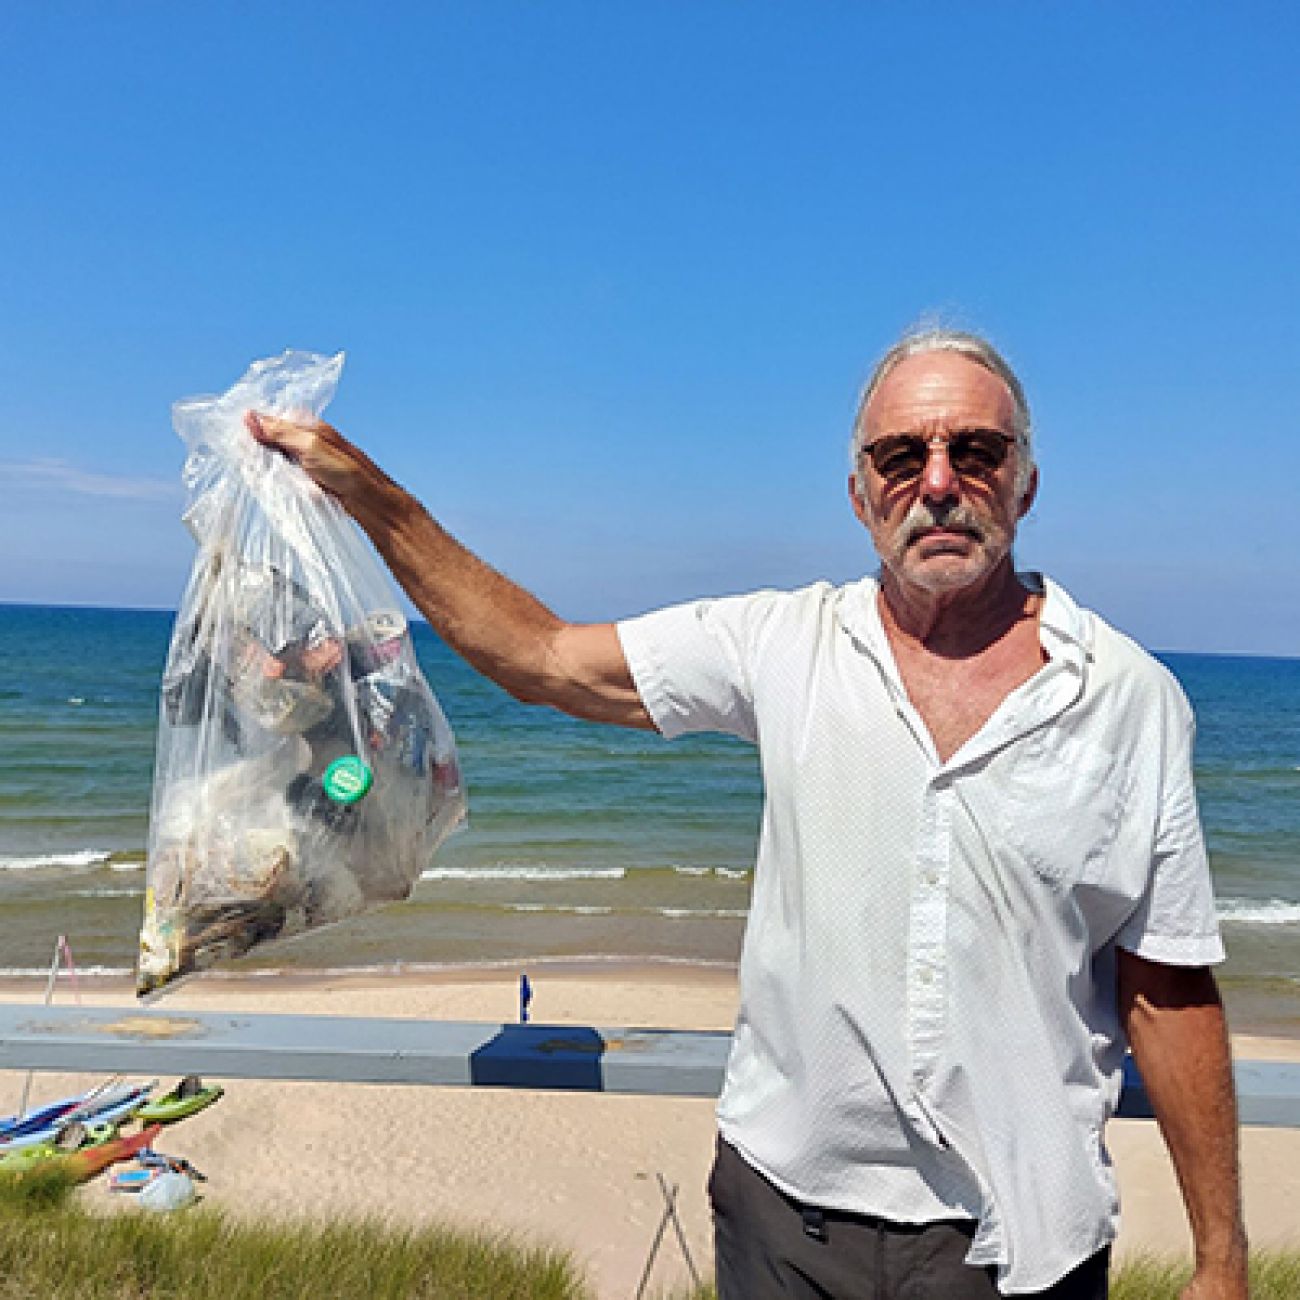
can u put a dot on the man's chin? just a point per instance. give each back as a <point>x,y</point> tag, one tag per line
<point>943,572</point>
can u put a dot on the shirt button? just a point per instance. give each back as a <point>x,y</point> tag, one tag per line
<point>926,976</point>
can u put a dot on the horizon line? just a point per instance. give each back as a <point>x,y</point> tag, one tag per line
<point>167,609</point>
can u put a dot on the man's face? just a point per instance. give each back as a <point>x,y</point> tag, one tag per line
<point>940,531</point>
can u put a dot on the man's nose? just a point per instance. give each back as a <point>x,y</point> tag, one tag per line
<point>939,481</point>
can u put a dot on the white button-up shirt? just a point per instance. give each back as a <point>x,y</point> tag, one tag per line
<point>928,1025</point>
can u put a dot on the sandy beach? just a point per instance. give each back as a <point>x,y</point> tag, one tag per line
<point>576,1170</point>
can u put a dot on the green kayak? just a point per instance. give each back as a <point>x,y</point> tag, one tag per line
<point>75,1137</point>
<point>187,1098</point>
<point>19,1162</point>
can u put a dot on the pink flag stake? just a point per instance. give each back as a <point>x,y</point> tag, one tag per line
<point>71,965</point>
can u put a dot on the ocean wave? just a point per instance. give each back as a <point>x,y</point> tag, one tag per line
<point>43,972</point>
<point>582,909</point>
<point>535,960</point>
<point>575,909</point>
<point>1250,911</point>
<point>522,872</point>
<point>77,858</point>
<point>136,864</point>
<point>723,873</point>
<point>677,912</point>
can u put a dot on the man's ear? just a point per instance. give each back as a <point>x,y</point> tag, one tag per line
<point>1030,492</point>
<point>858,500</point>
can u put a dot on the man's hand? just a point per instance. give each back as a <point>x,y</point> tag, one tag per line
<point>1226,1282</point>
<point>343,470</point>
<point>1175,1024</point>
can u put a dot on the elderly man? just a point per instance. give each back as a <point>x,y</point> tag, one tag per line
<point>980,869</point>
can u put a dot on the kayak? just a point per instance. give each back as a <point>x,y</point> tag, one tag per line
<point>108,1106</point>
<point>20,1161</point>
<point>187,1098</point>
<point>89,1161</point>
<point>16,1125</point>
<point>72,1137</point>
<point>84,1163</point>
<point>103,1094</point>
<point>115,1103</point>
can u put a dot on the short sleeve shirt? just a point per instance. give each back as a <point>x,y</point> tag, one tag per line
<point>928,1025</point>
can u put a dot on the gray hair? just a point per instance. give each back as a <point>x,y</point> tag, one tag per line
<point>976,348</point>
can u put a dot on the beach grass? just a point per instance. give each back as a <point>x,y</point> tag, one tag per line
<point>52,1248</point>
<point>56,1249</point>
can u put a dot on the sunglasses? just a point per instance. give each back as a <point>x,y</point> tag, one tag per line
<point>973,453</point>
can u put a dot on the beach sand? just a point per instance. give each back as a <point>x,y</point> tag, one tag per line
<point>575,1170</point>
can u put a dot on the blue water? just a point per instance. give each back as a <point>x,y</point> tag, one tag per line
<point>614,838</point>
<point>78,709</point>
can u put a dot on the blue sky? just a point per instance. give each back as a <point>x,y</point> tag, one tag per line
<point>610,275</point>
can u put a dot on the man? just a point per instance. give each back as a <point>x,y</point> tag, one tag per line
<point>980,867</point>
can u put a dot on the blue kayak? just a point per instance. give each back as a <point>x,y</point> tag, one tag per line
<point>15,1125</point>
<point>105,1106</point>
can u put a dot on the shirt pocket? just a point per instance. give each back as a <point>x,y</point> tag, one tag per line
<point>1061,804</point>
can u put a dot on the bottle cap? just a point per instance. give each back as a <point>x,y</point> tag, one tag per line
<point>347,780</point>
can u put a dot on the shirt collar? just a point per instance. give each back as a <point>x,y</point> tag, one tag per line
<point>1065,630</point>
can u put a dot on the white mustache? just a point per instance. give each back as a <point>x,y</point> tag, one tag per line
<point>921,518</point>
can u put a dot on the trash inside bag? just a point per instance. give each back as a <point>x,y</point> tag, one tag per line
<point>305,771</point>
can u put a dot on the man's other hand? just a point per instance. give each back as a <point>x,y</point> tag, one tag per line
<point>1218,1282</point>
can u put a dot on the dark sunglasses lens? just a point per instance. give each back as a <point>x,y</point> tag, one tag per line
<point>896,459</point>
<point>977,453</point>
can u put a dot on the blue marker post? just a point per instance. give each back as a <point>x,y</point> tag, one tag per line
<point>525,997</point>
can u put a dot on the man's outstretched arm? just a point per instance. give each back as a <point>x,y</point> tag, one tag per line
<point>1174,1019</point>
<point>494,624</point>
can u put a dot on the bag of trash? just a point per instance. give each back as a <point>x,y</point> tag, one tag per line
<point>305,771</point>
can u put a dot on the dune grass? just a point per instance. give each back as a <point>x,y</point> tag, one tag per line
<point>52,1248</point>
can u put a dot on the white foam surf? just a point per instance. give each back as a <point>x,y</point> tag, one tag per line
<point>1253,911</point>
<point>573,909</point>
<point>523,872</point>
<point>39,861</point>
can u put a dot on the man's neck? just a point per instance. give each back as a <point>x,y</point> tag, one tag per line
<point>956,624</point>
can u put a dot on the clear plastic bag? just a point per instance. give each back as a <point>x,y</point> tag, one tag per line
<point>305,771</point>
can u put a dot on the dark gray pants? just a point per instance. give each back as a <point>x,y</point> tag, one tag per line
<point>769,1247</point>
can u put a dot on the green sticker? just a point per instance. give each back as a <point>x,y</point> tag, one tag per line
<point>347,779</point>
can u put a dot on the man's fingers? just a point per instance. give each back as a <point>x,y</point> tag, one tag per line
<point>272,431</point>
<point>330,461</point>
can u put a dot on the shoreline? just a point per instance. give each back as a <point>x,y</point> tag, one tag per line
<point>1256,1009</point>
<point>207,985</point>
